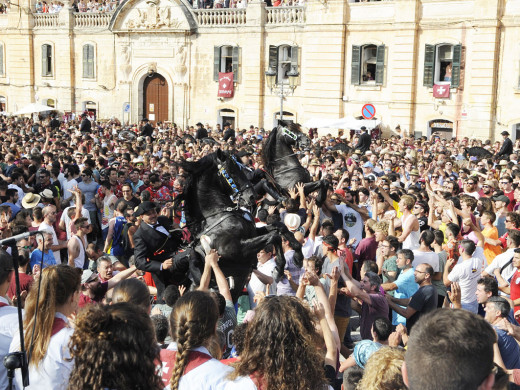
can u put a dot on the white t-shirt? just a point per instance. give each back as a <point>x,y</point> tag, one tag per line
<point>8,330</point>
<point>54,370</point>
<point>352,222</point>
<point>45,226</point>
<point>467,274</point>
<point>431,258</point>
<point>65,218</point>
<point>498,262</point>
<point>67,186</point>
<point>21,194</point>
<point>255,285</point>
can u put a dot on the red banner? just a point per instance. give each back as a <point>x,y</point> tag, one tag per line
<point>441,91</point>
<point>225,85</point>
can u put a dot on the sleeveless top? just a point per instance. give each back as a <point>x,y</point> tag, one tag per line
<point>412,241</point>
<point>79,262</point>
<point>117,242</point>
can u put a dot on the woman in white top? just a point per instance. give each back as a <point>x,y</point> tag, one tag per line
<point>193,325</point>
<point>48,353</point>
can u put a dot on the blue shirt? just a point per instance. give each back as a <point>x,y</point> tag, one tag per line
<point>406,287</point>
<point>48,258</point>
<point>509,349</point>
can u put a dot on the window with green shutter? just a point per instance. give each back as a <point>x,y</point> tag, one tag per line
<point>88,61</point>
<point>226,59</point>
<point>46,60</point>
<point>442,65</point>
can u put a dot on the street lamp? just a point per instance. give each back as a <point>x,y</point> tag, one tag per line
<point>270,78</point>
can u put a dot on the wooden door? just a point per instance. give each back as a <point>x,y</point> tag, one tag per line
<point>156,98</point>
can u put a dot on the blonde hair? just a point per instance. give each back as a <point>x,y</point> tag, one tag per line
<point>58,284</point>
<point>387,360</point>
<point>381,226</point>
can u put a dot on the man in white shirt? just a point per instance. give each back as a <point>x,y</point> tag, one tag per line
<point>49,217</point>
<point>69,182</point>
<point>8,314</point>
<point>425,255</point>
<point>17,181</point>
<point>352,220</point>
<point>466,274</point>
<point>262,275</point>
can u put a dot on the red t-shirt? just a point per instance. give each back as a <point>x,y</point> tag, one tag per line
<point>515,288</point>
<point>25,283</point>
<point>512,201</point>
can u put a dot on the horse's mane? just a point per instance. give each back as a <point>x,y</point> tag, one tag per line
<point>269,146</point>
<point>195,169</point>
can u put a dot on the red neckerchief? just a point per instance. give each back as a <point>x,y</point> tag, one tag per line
<point>2,304</point>
<point>57,325</point>
<point>195,359</point>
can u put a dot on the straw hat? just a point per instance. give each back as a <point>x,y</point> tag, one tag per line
<point>292,221</point>
<point>30,200</point>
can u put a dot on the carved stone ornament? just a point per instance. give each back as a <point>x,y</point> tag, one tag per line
<point>154,17</point>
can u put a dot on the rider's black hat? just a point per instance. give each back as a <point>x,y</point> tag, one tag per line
<point>144,207</point>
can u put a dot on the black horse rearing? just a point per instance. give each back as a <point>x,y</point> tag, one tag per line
<point>210,212</point>
<point>282,162</point>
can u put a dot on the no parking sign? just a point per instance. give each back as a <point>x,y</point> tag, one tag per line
<point>368,111</point>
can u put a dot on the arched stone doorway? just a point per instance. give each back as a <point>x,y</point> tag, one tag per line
<point>155,98</point>
<point>442,128</point>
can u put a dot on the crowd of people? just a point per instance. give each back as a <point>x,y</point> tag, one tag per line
<point>421,238</point>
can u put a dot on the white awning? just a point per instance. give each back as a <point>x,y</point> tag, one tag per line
<point>32,108</point>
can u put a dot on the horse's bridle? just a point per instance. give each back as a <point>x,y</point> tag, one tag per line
<point>237,192</point>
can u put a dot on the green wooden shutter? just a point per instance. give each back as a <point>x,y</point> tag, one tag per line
<point>429,65</point>
<point>216,62</point>
<point>44,60</point>
<point>1,59</point>
<point>85,61</point>
<point>380,65</point>
<point>455,66</point>
<point>295,52</point>
<point>273,59</point>
<point>355,73</point>
<point>236,62</point>
<point>90,61</point>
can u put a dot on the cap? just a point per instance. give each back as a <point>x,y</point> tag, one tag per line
<point>490,183</point>
<point>88,276</point>
<point>504,133</point>
<point>144,207</point>
<point>355,157</point>
<point>292,221</point>
<point>368,164</point>
<point>340,191</point>
<point>501,198</point>
<point>243,153</point>
<point>371,178</point>
<point>47,194</point>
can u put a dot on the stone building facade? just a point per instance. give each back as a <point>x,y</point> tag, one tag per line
<point>161,59</point>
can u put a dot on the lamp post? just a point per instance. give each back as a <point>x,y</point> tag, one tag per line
<point>270,77</point>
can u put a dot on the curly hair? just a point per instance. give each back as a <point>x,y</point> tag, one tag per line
<point>192,323</point>
<point>280,347</point>
<point>114,347</point>
<point>388,360</point>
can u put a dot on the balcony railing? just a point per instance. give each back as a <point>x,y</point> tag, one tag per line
<point>45,20</point>
<point>285,15</point>
<point>220,17</point>
<point>91,20</point>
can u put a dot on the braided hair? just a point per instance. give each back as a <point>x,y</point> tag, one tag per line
<point>192,323</point>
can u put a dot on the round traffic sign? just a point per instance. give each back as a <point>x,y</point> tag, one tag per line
<point>368,111</point>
